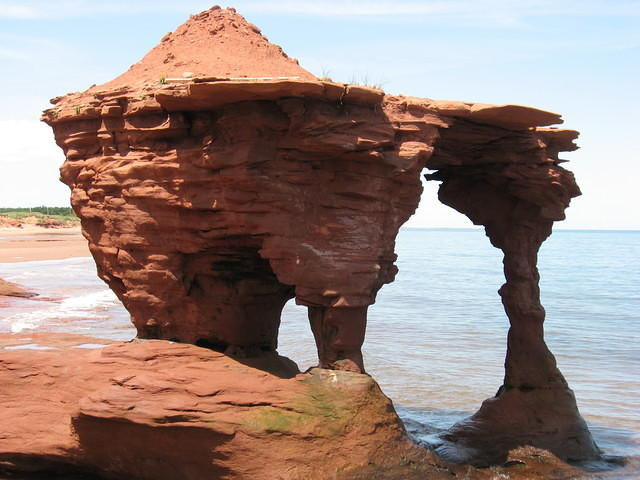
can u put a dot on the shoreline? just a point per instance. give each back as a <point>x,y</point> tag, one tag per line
<point>32,243</point>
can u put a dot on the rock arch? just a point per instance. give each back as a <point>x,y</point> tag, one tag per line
<point>208,202</point>
<point>534,405</point>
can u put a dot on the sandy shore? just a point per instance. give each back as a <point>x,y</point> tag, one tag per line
<point>37,243</point>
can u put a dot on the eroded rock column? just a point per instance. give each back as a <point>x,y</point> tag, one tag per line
<point>534,405</point>
<point>529,364</point>
<point>339,335</point>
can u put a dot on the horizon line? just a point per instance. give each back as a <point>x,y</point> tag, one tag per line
<point>479,227</point>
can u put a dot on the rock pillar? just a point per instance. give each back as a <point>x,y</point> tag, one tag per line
<point>534,405</point>
<point>339,334</point>
<point>529,363</point>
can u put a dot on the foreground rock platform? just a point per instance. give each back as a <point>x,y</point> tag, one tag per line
<point>160,410</point>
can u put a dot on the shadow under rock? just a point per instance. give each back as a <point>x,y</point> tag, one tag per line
<point>144,451</point>
<point>270,362</point>
<point>266,360</point>
<point>35,467</point>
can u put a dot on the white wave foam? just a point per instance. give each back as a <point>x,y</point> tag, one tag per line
<point>100,300</point>
<point>91,306</point>
<point>18,326</point>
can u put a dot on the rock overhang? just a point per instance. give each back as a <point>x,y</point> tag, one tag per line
<point>203,93</point>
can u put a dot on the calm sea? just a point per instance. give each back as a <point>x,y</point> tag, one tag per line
<point>437,336</point>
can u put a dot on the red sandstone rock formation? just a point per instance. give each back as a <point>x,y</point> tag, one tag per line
<point>209,201</point>
<point>517,203</point>
<point>161,411</point>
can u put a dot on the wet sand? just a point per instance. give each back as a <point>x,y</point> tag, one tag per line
<point>37,243</point>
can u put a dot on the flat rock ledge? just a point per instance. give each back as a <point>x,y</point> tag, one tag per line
<point>79,407</point>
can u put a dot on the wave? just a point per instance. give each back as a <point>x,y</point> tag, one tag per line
<point>91,306</point>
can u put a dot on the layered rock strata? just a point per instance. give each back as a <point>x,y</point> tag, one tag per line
<point>211,197</point>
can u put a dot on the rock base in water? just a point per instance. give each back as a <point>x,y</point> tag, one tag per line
<point>540,417</point>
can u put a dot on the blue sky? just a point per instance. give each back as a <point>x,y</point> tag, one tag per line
<point>577,58</point>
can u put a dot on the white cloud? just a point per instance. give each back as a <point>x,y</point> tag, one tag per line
<point>29,164</point>
<point>38,9</point>
<point>26,141</point>
<point>29,48</point>
<point>13,10</point>
<point>495,12</point>
<point>505,11</point>
<point>13,53</point>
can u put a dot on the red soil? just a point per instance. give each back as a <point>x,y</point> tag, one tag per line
<point>217,42</point>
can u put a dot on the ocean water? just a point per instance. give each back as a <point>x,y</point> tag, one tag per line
<point>436,337</point>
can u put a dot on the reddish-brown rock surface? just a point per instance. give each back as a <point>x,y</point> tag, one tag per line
<point>209,200</point>
<point>156,410</point>
<point>161,410</point>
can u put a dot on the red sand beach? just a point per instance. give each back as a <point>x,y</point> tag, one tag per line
<point>31,243</point>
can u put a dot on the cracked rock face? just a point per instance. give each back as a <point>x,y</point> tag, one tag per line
<point>213,186</point>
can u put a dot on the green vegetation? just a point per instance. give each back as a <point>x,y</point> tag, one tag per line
<point>323,410</point>
<point>359,80</point>
<point>365,82</point>
<point>332,404</point>
<point>63,211</point>
<point>325,76</point>
<point>162,80</point>
<point>41,215</point>
<point>273,420</point>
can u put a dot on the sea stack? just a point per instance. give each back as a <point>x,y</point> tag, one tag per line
<point>217,179</point>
